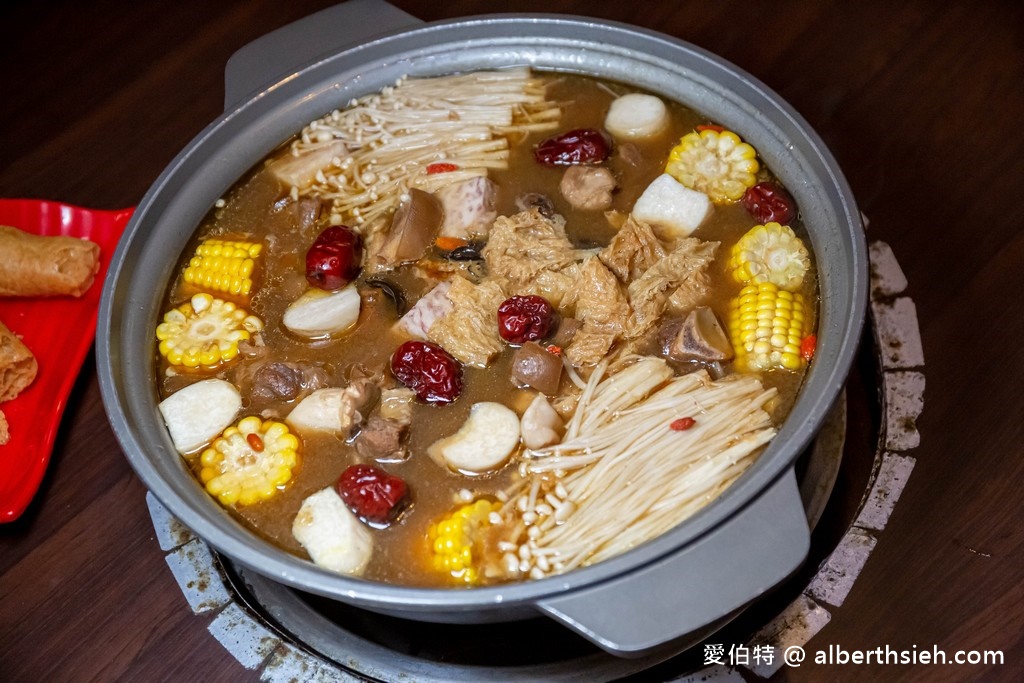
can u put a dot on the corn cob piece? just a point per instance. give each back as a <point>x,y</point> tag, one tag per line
<point>223,266</point>
<point>455,540</point>
<point>204,332</point>
<point>249,462</point>
<point>770,253</point>
<point>767,327</point>
<point>718,164</point>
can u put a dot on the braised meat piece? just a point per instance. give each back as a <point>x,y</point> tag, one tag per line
<point>279,380</point>
<point>588,187</point>
<point>382,439</point>
<point>357,400</point>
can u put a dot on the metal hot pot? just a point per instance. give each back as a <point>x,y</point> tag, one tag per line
<point>687,581</point>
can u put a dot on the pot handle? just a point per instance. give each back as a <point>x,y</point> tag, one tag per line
<point>269,58</point>
<point>705,582</point>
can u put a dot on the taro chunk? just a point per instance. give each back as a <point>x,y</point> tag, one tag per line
<point>468,208</point>
<point>431,307</point>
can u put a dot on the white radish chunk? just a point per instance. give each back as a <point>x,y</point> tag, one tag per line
<point>672,208</point>
<point>483,443</point>
<point>318,313</point>
<point>197,414</point>
<point>334,537</point>
<point>431,307</point>
<point>468,208</point>
<point>542,425</point>
<point>318,412</point>
<point>636,116</point>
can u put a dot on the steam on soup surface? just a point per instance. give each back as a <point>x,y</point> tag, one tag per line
<point>487,327</point>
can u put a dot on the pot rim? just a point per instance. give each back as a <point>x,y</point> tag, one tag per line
<point>548,41</point>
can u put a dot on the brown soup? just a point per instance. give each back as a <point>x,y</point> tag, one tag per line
<point>263,209</point>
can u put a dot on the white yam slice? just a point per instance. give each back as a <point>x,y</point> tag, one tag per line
<point>198,413</point>
<point>636,116</point>
<point>542,425</point>
<point>431,307</point>
<point>483,443</point>
<point>300,170</point>
<point>318,314</point>
<point>468,208</point>
<point>673,208</point>
<point>321,411</point>
<point>334,537</point>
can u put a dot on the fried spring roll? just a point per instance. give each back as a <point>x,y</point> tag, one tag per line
<point>5,434</point>
<point>35,265</point>
<point>18,366</point>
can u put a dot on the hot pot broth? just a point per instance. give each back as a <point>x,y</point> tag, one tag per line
<point>264,210</point>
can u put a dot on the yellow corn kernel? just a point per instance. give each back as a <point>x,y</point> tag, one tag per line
<point>764,335</point>
<point>455,540</point>
<point>718,164</point>
<point>224,266</point>
<point>205,332</point>
<point>770,253</point>
<point>249,462</point>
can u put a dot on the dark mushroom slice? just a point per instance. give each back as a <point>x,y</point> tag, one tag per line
<point>468,252</point>
<point>699,337</point>
<point>392,291</point>
<point>413,229</point>
<point>536,200</point>
<point>535,367</point>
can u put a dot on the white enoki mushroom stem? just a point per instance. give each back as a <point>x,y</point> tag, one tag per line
<point>626,475</point>
<point>392,137</point>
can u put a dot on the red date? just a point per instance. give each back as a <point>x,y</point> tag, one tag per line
<point>768,202</point>
<point>428,370</point>
<point>524,318</point>
<point>334,258</point>
<point>372,493</point>
<point>579,146</point>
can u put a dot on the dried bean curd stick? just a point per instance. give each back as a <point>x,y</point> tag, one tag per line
<point>37,265</point>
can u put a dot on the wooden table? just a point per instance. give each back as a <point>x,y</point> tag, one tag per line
<point>920,102</point>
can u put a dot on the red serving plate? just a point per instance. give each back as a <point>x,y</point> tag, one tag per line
<point>59,331</point>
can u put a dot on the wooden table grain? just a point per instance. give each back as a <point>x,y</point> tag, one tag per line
<point>921,103</point>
